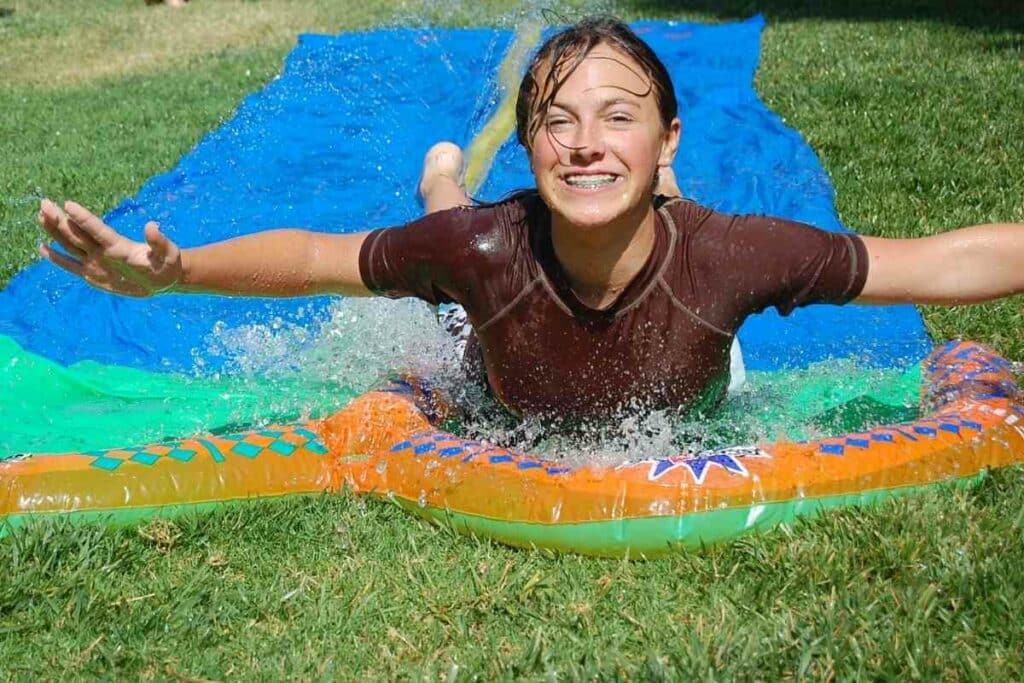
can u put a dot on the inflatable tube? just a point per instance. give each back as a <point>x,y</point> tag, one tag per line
<point>389,443</point>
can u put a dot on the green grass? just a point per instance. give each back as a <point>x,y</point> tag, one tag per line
<point>324,587</point>
<point>916,114</point>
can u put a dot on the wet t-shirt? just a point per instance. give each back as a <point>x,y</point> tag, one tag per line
<point>664,343</point>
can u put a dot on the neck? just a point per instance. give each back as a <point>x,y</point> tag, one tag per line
<point>601,262</point>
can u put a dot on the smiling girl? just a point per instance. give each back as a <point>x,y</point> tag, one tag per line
<point>599,290</point>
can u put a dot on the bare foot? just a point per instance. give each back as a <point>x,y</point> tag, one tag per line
<point>441,182</point>
<point>667,184</point>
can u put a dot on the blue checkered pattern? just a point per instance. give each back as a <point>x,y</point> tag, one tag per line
<point>450,446</point>
<point>251,445</point>
<point>912,432</point>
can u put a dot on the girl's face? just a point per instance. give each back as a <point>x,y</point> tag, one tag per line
<point>599,146</point>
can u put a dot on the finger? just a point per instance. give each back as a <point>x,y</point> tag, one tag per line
<point>91,225</point>
<point>58,259</point>
<point>157,241</point>
<point>52,220</point>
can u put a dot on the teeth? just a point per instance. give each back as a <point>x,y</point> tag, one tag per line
<point>590,181</point>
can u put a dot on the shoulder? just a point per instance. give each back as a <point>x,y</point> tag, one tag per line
<point>510,212</point>
<point>470,236</point>
<point>501,231</point>
<point>685,213</point>
<point>710,227</point>
<point>696,227</point>
<point>700,220</point>
<point>517,210</point>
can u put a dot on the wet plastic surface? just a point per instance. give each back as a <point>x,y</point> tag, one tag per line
<point>336,143</point>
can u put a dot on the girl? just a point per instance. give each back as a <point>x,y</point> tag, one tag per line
<point>597,290</point>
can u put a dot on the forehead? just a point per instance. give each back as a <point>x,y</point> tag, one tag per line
<point>604,67</point>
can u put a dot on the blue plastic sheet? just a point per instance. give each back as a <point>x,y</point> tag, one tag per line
<point>336,143</point>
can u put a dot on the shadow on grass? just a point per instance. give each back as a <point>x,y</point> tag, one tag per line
<point>978,14</point>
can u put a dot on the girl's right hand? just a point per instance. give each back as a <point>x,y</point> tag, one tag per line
<point>106,259</point>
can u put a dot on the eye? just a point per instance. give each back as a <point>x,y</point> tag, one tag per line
<point>620,117</point>
<point>557,123</point>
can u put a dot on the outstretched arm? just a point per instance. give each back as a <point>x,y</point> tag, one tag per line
<point>963,266</point>
<point>271,263</point>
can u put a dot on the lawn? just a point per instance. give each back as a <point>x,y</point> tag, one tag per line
<point>916,114</point>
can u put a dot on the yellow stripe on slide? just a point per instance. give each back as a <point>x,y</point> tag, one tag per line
<point>484,146</point>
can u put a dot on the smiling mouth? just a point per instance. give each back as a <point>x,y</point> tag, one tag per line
<point>590,181</point>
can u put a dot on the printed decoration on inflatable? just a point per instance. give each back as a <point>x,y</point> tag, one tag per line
<point>391,443</point>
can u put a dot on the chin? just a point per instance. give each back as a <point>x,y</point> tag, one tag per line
<point>593,215</point>
<point>590,221</point>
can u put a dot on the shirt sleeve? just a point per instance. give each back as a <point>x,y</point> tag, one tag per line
<point>426,258</point>
<point>786,264</point>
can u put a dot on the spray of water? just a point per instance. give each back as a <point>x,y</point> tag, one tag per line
<point>365,341</point>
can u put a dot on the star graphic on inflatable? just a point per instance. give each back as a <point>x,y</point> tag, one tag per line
<point>699,465</point>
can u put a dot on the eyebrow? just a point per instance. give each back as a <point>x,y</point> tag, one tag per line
<point>604,104</point>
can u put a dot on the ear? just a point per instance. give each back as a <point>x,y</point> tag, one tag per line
<point>670,144</point>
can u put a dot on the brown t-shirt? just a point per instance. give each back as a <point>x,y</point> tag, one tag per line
<point>663,343</point>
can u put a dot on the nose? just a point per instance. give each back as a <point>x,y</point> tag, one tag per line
<point>588,143</point>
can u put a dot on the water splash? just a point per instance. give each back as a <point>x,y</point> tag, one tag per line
<point>364,341</point>
<point>358,346</point>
